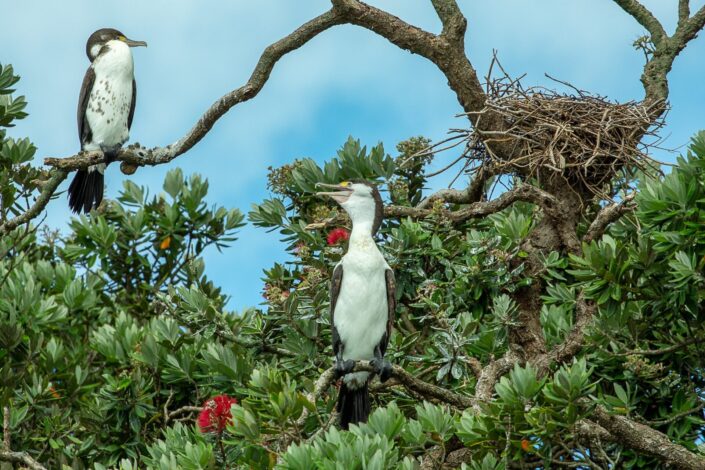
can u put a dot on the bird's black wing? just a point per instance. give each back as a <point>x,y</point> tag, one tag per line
<point>391,308</point>
<point>132,104</point>
<point>335,283</point>
<point>84,130</point>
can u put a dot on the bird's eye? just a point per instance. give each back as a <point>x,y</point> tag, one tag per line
<point>345,184</point>
<point>122,38</point>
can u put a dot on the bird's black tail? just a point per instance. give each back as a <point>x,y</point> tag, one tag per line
<point>86,190</point>
<point>353,405</point>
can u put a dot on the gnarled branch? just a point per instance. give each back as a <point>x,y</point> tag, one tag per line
<point>645,18</point>
<point>607,215</point>
<point>490,375</point>
<point>20,458</point>
<point>525,192</point>
<point>454,23</point>
<point>683,11</point>
<point>445,52</point>
<point>688,29</point>
<point>473,193</point>
<point>647,440</point>
<point>573,343</point>
<point>47,191</point>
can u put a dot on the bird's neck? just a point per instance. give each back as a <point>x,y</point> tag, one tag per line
<point>116,61</point>
<point>361,234</point>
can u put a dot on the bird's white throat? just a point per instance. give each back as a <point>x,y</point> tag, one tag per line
<point>361,234</point>
<point>116,61</point>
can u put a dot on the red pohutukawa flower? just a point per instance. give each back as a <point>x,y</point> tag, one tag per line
<point>336,235</point>
<point>215,414</point>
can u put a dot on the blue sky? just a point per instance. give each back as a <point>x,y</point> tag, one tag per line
<point>345,82</point>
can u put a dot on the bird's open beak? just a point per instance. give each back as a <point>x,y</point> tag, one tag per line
<point>132,43</point>
<point>340,196</point>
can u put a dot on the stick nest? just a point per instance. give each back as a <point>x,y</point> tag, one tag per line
<point>582,138</point>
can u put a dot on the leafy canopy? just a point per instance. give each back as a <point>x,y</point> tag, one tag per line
<point>112,337</point>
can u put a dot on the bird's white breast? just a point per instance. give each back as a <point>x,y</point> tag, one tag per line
<point>111,97</point>
<point>361,309</point>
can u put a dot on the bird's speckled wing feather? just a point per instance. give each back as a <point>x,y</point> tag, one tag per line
<point>84,130</point>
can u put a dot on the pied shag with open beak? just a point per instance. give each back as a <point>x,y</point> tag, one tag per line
<point>362,300</point>
<point>106,106</point>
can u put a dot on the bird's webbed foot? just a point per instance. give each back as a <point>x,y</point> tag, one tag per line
<point>343,367</point>
<point>382,367</point>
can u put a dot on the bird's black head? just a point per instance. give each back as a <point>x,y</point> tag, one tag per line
<point>360,199</point>
<point>98,40</point>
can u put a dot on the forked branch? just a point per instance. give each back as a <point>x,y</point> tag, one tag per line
<point>454,23</point>
<point>667,47</point>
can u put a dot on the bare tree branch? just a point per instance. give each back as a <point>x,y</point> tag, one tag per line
<point>490,375</point>
<point>683,12</point>
<point>6,455</point>
<point>608,214</point>
<point>183,410</point>
<point>586,428</point>
<point>449,57</point>
<point>659,352</point>
<point>525,192</point>
<point>47,191</point>
<point>689,29</point>
<point>20,458</point>
<point>473,193</point>
<point>573,343</point>
<point>654,77</point>
<point>433,458</point>
<point>645,18</point>
<point>647,440</point>
<point>454,23</point>
<point>677,416</point>
<point>6,438</point>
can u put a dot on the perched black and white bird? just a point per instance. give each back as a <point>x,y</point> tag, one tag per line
<point>105,109</point>
<point>362,298</point>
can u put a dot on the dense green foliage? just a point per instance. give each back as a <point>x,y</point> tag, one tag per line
<point>109,332</point>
